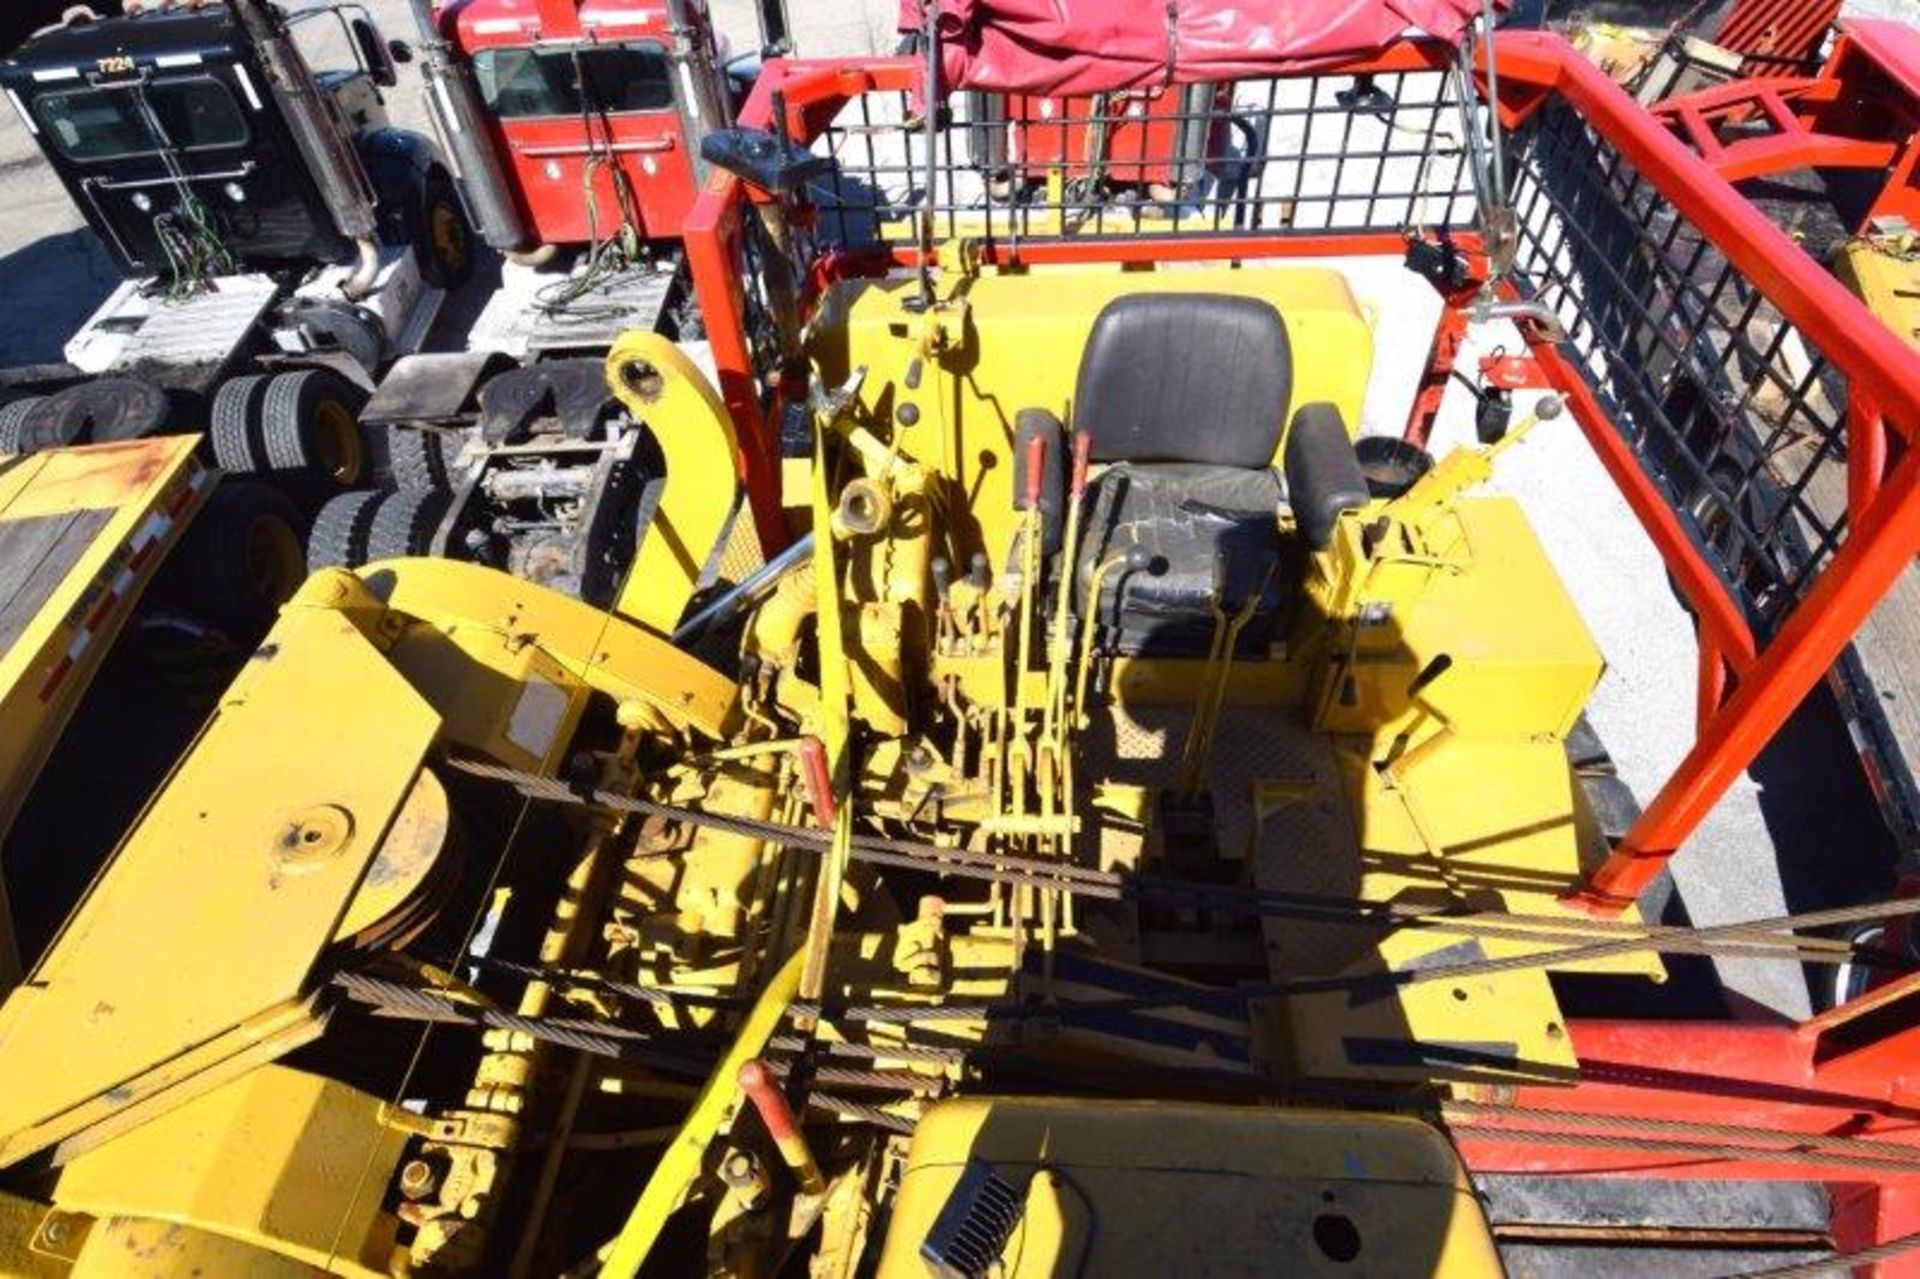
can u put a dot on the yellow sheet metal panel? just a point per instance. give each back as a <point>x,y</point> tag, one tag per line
<point>1487,598</point>
<point>1486,822</point>
<point>274,1160</point>
<point>592,646</point>
<point>140,1248</point>
<point>1149,1188</point>
<point>1885,272</point>
<point>226,891</point>
<point>522,713</point>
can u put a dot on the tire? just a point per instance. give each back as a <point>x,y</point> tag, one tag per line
<point>1715,520</point>
<point>404,525</point>
<point>1850,980</point>
<point>243,558</point>
<point>236,425</point>
<point>13,414</point>
<point>421,460</point>
<point>98,411</point>
<point>310,422</point>
<point>339,537</point>
<point>442,237</point>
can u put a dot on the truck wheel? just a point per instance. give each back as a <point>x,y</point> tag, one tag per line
<point>422,460</point>
<point>311,422</point>
<point>339,537</point>
<point>405,524</point>
<point>235,425</point>
<point>242,559</point>
<point>441,235</point>
<point>13,415</point>
<point>97,412</point>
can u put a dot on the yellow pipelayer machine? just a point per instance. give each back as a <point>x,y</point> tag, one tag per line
<point>1030,795</point>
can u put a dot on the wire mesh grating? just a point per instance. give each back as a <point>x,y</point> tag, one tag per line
<point>1726,404</point>
<point>1312,154</point>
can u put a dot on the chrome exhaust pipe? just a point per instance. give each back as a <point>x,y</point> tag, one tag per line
<point>360,284</point>
<point>453,104</point>
<point>703,106</point>
<point>330,158</point>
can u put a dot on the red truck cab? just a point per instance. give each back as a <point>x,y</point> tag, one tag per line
<point>586,98</point>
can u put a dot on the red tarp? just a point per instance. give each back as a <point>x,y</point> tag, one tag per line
<point>1077,47</point>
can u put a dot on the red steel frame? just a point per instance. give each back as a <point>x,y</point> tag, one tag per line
<point>1861,111</point>
<point>1855,1070</point>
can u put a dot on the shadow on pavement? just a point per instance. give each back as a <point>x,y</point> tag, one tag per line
<point>52,286</point>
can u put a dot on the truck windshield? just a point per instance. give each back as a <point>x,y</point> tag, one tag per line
<point>107,124</point>
<point>522,84</point>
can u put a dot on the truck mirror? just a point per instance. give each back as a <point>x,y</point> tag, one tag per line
<point>373,54</point>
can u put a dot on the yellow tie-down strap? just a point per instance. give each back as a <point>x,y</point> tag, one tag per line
<point>191,956</point>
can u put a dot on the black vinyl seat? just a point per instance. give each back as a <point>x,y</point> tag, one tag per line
<point>1186,396</point>
<point>1208,535</point>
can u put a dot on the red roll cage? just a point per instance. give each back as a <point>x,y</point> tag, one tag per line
<point>1763,644</point>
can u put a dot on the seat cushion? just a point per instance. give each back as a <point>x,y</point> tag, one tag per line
<point>1209,534</point>
<point>1185,377</point>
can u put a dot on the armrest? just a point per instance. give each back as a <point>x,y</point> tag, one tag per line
<point>1324,479</point>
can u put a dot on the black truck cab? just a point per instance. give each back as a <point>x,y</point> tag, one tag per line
<point>162,126</point>
<point>281,242</point>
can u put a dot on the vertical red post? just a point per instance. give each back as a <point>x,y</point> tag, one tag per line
<point>1433,383</point>
<point>714,260</point>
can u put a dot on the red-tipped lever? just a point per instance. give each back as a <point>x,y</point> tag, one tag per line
<point>818,779</point>
<point>1082,459</point>
<point>763,1090</point>
<point>1036,469</point>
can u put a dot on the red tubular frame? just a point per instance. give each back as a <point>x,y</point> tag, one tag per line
<point>1883,537</point>
<point>1834,1074</point>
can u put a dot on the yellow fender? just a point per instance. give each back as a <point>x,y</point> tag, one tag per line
<point>666,390</point>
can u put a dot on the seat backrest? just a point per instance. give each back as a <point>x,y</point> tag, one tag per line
<point>1185,377</point>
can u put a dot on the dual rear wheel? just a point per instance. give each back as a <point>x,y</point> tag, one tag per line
<point>301,426</point>
<point>239,560</point>
<point>360,528</point>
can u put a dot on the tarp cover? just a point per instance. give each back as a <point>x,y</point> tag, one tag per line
<point>1077,47</point>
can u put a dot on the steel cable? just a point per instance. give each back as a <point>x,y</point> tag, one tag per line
<point>1843,1261</point>
<point>1583,936</point>
<point>1474,1111</point>
<point>598,1038</point>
